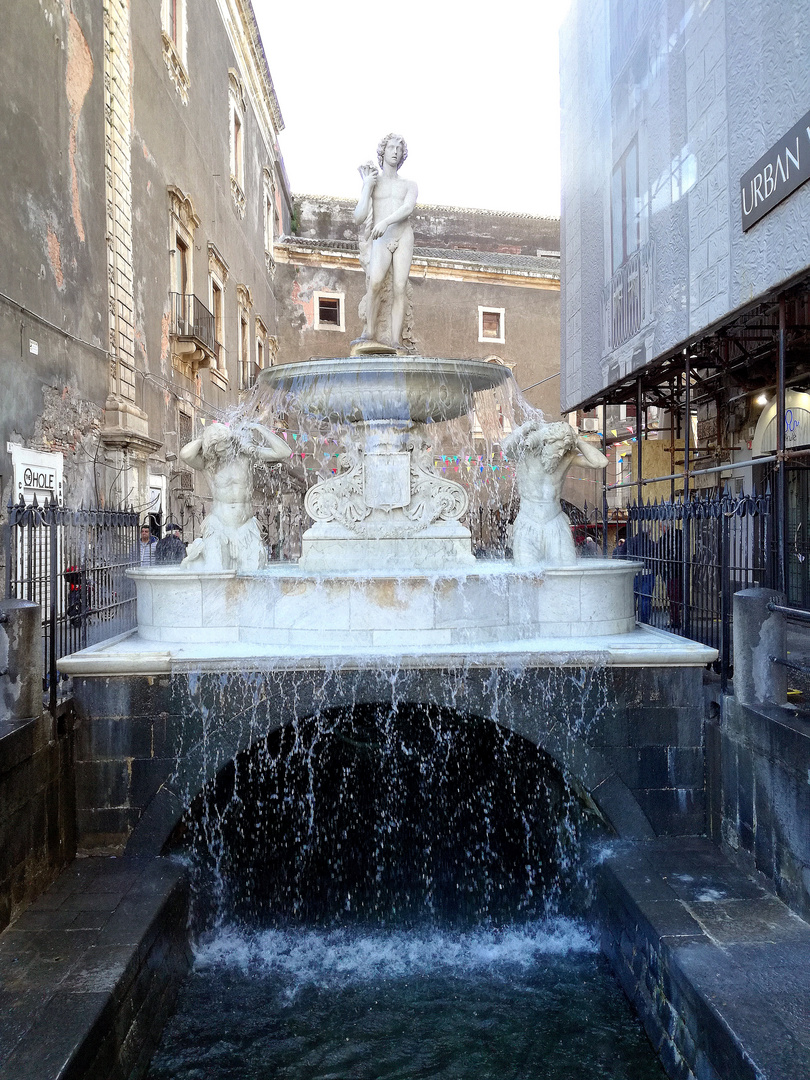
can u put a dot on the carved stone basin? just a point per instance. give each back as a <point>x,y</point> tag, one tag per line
<point>360,389</point>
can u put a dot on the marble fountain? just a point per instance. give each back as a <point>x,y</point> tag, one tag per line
<point>387,566</point>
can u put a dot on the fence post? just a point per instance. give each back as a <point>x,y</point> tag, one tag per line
<point>9,533</point>
<point>725,596</point>
<point>53,578</point>
<point>758,635</point>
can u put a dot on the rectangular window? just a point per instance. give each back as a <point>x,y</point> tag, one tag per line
<point>260,355</point>
<point>180,266</point>
<point>174,29</point>
<point>217,306</point>
<point>329,311</point>
<point>216,310</point>
<point>184,428</point>
<point>246,375</point>
<point>625,207</point>
<point>237,157</point>
<point>491,324</point>
<point>268,223</point>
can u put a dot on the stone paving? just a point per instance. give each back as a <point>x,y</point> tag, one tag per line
<point>718,967</point>
<point>90,970</point>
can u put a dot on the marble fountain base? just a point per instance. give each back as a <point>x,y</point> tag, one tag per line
<point>485,612</point>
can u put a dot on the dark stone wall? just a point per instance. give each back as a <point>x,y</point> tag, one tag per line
<point>759,769</point>
<point>95,963</point>
<point>37,832</point>
<point>714,964</point>
<point>37,820</point>
<point>632,738</point>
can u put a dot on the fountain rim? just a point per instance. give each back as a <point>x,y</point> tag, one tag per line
<point>376,387</point>
<point>384,364</point>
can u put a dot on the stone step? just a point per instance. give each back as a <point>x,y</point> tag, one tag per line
<point>90,970</point>
<point>717,967</point>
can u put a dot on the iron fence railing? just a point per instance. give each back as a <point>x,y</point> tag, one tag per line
<point>697,552</point>
<point>73,564</point>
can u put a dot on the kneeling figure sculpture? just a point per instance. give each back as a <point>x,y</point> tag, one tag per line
<point>230,536</point>
<point>544,454</point>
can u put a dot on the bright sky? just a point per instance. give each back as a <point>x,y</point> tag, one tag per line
<point>473,87</point>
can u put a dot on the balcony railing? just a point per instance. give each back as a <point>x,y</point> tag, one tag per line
<point>191,319</point>
<point>628,299</point>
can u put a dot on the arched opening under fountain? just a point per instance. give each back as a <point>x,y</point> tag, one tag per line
<point>388,891</point>
<point>391,815</point>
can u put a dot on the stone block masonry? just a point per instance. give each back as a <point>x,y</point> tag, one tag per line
<point>37,835</point>
<point>632,738</point>
<point>760,760</point>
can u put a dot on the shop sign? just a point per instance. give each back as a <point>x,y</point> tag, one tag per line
<point>796,421</point>
<point>777,174</point>
<point>36,473</point>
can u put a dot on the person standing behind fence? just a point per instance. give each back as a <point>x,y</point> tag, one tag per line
<point>170,549</point>
<point>639,547</point>
<point>147,546</point>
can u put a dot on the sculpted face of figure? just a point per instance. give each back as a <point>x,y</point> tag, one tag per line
<point>392,151</point>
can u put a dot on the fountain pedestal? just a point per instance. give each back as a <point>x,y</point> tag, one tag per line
<point>387,507</point>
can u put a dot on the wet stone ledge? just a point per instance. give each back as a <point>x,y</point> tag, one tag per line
<point>717,967</point>
<point>91,969</point>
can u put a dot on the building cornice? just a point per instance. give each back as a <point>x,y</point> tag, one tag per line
<point>345,200</point>
<point>239,20</point>
<point>451,268</point>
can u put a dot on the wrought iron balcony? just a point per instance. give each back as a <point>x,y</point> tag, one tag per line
<point>192,321</point>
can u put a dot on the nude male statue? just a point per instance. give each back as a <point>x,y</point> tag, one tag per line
<point>230,536</point>
<point>386,203</point>
<point>544,454</point>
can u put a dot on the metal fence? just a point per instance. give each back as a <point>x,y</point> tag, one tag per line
<point>73,564</point>
<point>697,553</point>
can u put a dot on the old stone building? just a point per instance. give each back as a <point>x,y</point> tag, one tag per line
<point>154,262</point>
<point>484,284</point>
<point>142,193</point>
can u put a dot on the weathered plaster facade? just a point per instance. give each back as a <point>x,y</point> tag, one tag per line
<point>117,142</point>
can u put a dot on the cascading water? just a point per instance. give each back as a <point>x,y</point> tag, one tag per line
<point>393,890</point>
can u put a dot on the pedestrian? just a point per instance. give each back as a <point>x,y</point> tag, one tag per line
<point>170,549</point>
<point>147,545</point>
<point>620,551</point>
<point>639,547</point>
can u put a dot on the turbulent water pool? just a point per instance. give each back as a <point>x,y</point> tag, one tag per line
<point>529,1002</point>
<point>391,891</point>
